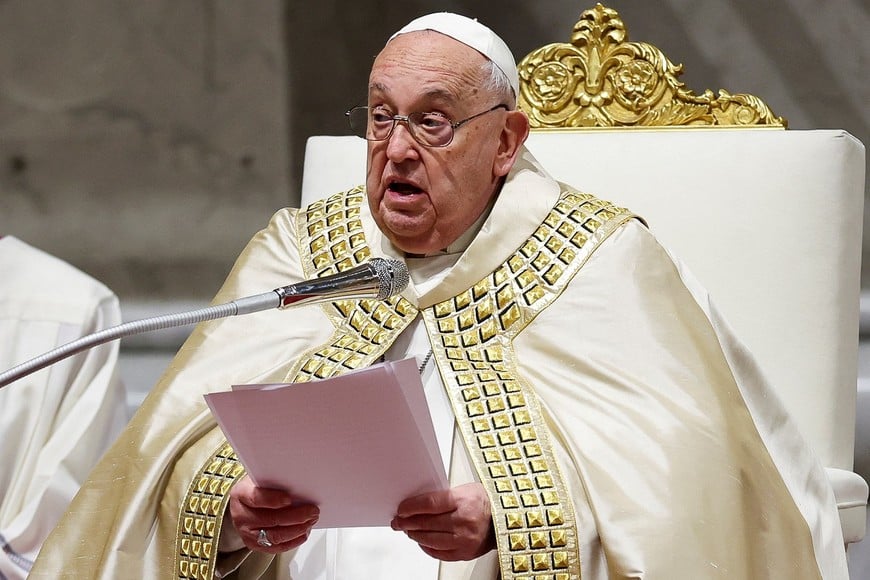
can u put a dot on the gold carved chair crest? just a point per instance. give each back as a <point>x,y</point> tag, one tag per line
<point>601,79</point>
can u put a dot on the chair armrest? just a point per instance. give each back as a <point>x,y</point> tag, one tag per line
<point>850,491</point>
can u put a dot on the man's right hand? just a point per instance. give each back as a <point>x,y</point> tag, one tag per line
<point>287,524</point>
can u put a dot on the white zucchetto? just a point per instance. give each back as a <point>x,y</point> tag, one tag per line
<point>471,33</point>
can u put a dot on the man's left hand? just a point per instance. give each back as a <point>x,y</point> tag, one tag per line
<point>450,525</point>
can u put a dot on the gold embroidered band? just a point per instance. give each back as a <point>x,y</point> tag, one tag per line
<point>202,512</point>
<point>497,410</point>
<point>333,241</point>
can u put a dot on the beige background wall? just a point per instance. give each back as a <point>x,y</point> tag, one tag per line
<point>143,141</point>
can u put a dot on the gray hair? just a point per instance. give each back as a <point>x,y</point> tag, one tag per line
<point>497,83</point>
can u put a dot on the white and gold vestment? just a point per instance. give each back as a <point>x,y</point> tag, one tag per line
<point>618,427</point>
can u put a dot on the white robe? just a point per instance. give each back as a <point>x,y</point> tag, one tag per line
<point>55,423</point>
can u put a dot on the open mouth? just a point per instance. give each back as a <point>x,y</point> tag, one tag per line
<point>404,188</point>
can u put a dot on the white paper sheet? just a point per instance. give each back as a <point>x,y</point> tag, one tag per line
<point>356,445</point>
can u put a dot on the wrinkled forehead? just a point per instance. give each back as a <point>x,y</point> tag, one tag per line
<point>430,62</point>
<point>429,49</point>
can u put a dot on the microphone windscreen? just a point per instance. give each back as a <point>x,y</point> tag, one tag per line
<point>392,275</point>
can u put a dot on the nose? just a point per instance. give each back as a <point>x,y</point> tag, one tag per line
<point>401,145</point>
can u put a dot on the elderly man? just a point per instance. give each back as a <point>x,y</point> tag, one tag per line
<point>594,416</point>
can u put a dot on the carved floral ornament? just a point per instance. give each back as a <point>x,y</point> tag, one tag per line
<point>602,80</point>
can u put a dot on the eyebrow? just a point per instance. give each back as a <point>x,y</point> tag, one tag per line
<point>435,94</point>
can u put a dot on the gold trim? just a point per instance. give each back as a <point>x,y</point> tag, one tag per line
<point>332,240</point>
<point>496,408</point>
<point>651,129</point>
<point>202,511</point>
<point>601,79</point>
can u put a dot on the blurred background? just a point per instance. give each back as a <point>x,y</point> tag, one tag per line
<point>145,142</point>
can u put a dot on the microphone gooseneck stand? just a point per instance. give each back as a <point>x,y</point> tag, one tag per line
<point>136,327</point>
<point>378,278</point>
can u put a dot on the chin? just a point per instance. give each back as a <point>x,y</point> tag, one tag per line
<point>410,245</point>
<point>414,238</point>
<point>408,248</point>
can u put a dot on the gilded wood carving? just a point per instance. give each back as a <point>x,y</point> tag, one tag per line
<point>601,79</point>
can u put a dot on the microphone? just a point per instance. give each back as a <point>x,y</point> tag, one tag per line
<point>378,278</point>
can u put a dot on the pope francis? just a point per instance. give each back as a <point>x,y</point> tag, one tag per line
<point>595,415</point>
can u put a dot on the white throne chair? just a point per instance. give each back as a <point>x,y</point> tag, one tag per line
<point>769,220</point>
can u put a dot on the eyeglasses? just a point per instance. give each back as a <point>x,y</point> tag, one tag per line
<point>428,129</point>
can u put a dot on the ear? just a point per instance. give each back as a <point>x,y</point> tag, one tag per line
<point>513,135</point>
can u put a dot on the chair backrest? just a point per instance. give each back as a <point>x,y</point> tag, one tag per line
<point>768,220</point>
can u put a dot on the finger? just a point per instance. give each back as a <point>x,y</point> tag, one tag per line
<point>289,534</point>
<point>261,497</point>
<point>277,547</point>
<point>282,538</point>
<point>435,523</point>
<point>441,541</point>
<point>255,519</point>
<point>288,516</point>
<point>436,502</point>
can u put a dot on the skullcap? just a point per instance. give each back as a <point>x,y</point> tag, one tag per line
<point>471,33</point>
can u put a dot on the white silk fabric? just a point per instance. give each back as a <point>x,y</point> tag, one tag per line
<point>56,422</point>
